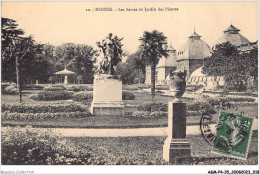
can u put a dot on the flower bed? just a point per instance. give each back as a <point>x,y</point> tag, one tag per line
<point>52,95</point>
<point>27,146</point>
<point>88,96</point>
<point>42,116</point>
<point>30,146</point>
<point>41,108</point>
<point>82,96</point>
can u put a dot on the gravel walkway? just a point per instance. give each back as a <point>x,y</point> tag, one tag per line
<point>82,132</point>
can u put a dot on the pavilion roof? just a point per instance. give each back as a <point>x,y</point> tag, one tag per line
<point>64,72</point>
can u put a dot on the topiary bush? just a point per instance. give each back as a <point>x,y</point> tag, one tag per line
<point>82,96</point>
<point>52,95</point>
<point>128,95</point>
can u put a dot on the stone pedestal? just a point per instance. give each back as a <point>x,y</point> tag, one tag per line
<point>176,145</point>
<point>107,96</point>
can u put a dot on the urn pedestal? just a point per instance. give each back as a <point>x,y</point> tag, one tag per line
<point>176,145</point>
<point>107,96</point>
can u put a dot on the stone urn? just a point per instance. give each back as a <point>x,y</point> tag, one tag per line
<point>178,85</point>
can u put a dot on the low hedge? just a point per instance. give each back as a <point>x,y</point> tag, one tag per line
<point>155,114</point>
<point>73,88</point>
<point>88,96</point>
<point>159,114</point>
<point>41,108</point>
<point>128,95</point>
<point>54,88</point>
<point>52,95</point>
<point>32,87</point>
<point>42,116</point>
<point>82,96</point>
<point>153,106</point>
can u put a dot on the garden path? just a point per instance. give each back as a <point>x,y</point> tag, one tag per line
<point>85,132</point>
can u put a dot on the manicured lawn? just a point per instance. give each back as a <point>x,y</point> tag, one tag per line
<point>95,122</point>
<point>149,150</point>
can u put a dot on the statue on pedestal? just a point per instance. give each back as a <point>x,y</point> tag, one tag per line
<point>111,49</point>
<point>107,89</point>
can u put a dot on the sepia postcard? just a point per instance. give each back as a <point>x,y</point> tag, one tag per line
<point>173,84</point>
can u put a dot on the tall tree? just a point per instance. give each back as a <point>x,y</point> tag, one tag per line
<point>78,58</point>
<point>18,48</point>
<point>132,70</point>
<point>154,47</point>
<point>10,33</point>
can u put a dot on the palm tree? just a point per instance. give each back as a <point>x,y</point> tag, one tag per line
<point>153,47</point>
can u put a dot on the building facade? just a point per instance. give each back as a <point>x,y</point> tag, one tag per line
<point>232,35</point>
<point>191,55</point>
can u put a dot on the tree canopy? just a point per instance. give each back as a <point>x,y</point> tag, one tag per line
<point>37,61</point>
<point>132,71</point>
<point>236,67</point>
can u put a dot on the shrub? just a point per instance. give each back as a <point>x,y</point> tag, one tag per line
<point>72,88</point>
<point>82,96</point>
<point>153,106</point>
<point>198,105</point>
<point>85,88</point>
<point>128,95</point>
<point>41,108</point>
<point>4,85</point>
<point>52,95</point>
<point>10,90</point>
<point>32,87</point>
<point>30,146</point>
<point>55,88</point>
<point>43,116</point>
<point>130,87</point>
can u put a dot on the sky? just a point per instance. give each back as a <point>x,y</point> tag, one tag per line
<point>63,22</point>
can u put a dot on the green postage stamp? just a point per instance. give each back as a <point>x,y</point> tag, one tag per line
<point>233,135</point>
